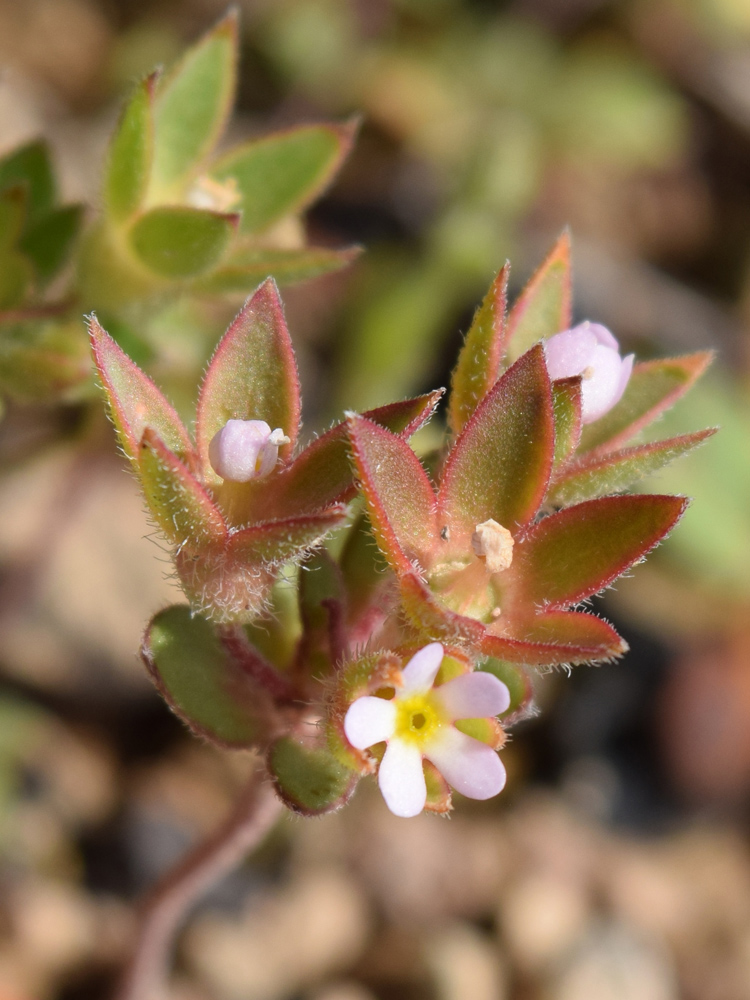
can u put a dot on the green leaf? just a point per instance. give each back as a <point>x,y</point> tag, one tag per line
<point>309,780</point>
<point>479,363</point>
<point>400,498</point>
<point>180,505</point>
<point>16,276</point>
<point>577,552</point>
<point>277,542</point>
<point>566,400</point>
<point>202,683</point>
<point>556,638</point>
<point>13,207</point>
<point>283,173</point>
<point>193,102</point>
<point>43,360</point>
<point>618,470</point>
<point>363,568</point>
<point>653,388</point>
<point>134,401</point>
<point>48,241</point>
<point>177,242</point>
<point>287,267</point>
<point>544,308</point>
<point>500,465</point>
<point>322,604</point>
<point>515,679</point>
<point>252,375</point>
<point>30,165</point>
<point>131,151</point>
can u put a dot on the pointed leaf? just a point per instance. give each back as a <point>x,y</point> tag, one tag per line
<point>479,363</point>
<point>48,242</point>
<point>431,619</point>
<point>202,682</point>
<point>30,165</point>
<point>177,242</point>
<point>131,151</point>
<point>309,779</point>
<point>192,105</point>
<point>500,465</point>
<point>252,375</point>
<point>615,472</point>
<point>13,208</point>
<point>556,638</point>
<point>180,505</point>
<point>566,400</point>
<point>287,267</point>
<point>322,607</point>
<point>579,551</point>
<point>277,542</point>
<point>544,308</point>
<point>399,496</point>
<point>364,571</point>
<point>283,173</point>
<point>134,401</point>
<point>654,387</point>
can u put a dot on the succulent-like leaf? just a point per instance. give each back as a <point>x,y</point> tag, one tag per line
<point>309,779</point>
<point>202,682</point>
<point>500,465</point>
<point>431,619</point>
<point>480,361</point>
<point>363,567</point>
<point>566,400</point>
<point>192,105</point>
<point>180,504</point>
<point>615,472</point>
<point>322,610</point>
<point>579,551</point>
<point>400,498</point>
<point>281,174</point>
<point>654,386</point>
<point>244,269</point>
<point>178,242</point>
<point>252,375</point>
<point>134,401</point>
<point>48,241</point>
<point>544,308</point>
<point>30,165</point>
<point>276,542</point>
<point>131,151</point>
<point>556,638</point>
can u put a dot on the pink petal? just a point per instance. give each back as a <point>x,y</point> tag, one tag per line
<point>401,779</point>
<point>599,389</point>
<point>368,721</point>
<point>474,696</point>
<point>235,449</point>
<point>471,767</point>
<point>604,336</point>
<point>569,352</point>
<point>421,670</point>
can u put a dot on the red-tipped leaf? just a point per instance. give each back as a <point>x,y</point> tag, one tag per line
<point>556,638</point>
<point>544,307</point>
<point>276,542</point>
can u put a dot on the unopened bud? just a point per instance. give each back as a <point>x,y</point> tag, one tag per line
<point>245,449</point>
<point>493,543</point>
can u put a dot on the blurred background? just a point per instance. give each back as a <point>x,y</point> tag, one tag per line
<point>616,866</point>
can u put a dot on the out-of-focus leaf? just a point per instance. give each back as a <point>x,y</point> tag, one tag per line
<point>252,375</point>
<point>180,242</point>
<point>281,174</point>
<point>544,308</point>
<point>286,267</point>
<point>131,153</point>
<point>192,105</point>
<point>309,780</point>
<point>322,608</point>
<point>180,504</point>
<point>566,400</point>
<point>279,541</point>
<point>363,567</point>
<point>48,241</point>
<point>201,681</point>
<point>579,551</point>
<point>399,496</point>
<point>618,470</point>
<point>43,360</point>
<point>30,165</point>
<point>134,401</point>
<point>16,275</point>
<point>438,790</point>
<point>500,465</point>
<point>654,386</point>
<point>13,207</point>
<point>480,360</point>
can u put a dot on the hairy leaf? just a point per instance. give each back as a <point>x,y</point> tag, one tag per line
<point>287,267</point>
<point>566,400</point>
<point>556,638</point>
<point>544,308</point>
<point>131,151</point>
<point>279,541</point>
<point>178,242</point>
<point>309,779</point>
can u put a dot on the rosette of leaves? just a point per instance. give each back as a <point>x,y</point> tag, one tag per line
<point>178,216</point>
<point>551,490</point>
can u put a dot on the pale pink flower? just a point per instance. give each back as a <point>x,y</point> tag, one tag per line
<point>418,722</point>
<point>591,351</point>
<point>245,449</point>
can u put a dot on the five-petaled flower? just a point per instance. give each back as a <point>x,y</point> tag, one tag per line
<point>418,722</point>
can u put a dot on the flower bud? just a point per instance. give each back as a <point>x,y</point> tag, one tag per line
<point>245,449</point>
<point>591,351</point>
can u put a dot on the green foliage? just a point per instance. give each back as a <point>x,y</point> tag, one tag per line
<point>309,780</point>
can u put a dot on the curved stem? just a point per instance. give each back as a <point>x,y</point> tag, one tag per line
<point>168,903</point>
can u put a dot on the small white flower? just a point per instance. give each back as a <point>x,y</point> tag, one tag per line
<point>591,351</point>
<point>418,723</point>
<point>245,449</point>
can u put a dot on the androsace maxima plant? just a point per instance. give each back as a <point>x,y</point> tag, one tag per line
<point>396,636</point>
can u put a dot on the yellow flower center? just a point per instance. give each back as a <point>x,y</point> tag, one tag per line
<point>418,718</point>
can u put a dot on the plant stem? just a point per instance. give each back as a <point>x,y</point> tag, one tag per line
<point>168,903</point>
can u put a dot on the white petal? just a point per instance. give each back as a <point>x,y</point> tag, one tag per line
<point>401,779</point>
<point>474,696</point>
<point>604,336</point>
<point>471,767</point>
<point>421,670</point>
<point>626,370</point>
<point>368,721</point>
<point>569,353</point>
<point>598,391</point>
